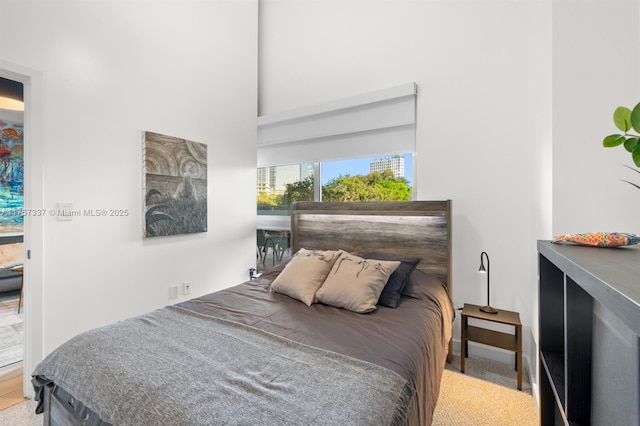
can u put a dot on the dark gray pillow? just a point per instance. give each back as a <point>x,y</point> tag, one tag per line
<point>392,291</point>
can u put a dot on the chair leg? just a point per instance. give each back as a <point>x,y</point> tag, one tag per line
<point>21,290</point>
<point>266,250</point>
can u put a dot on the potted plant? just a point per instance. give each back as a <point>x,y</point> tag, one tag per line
<point>627,120</point>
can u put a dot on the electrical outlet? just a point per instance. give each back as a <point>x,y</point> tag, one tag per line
<point>173,292</point>
<point>186,287</point>
<point>253,273</point>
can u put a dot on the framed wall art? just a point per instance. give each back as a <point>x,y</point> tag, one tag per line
<point>175,186</point>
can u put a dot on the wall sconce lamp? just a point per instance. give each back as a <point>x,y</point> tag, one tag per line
<point>488,309</point>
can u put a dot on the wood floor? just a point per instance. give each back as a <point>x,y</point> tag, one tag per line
<point>11,388</point>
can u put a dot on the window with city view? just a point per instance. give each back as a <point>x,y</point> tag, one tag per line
<point>386,178</point>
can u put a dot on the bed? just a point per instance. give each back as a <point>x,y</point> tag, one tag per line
<point>256,355</point>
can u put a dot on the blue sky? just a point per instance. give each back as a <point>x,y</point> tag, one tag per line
<point>360,166</point>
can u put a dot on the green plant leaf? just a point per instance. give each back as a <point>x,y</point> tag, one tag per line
<point>635,154</point>
<point>631,144</point>
<point>635,118</point>
<point>613,140</point>
<point>622,118</point>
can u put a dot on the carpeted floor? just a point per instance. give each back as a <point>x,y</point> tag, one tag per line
<point>23,414</point>
<point>486,395</point>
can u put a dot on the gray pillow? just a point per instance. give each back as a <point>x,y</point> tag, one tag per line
<point>305,273</point>
<point>355,283</point>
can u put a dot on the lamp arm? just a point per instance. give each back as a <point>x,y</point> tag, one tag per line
<point>488,277</point>
<point>487,308</point>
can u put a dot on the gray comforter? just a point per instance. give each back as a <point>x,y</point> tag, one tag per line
<point>191,374</point>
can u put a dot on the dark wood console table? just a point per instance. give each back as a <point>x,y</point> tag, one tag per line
<point>589,333</point>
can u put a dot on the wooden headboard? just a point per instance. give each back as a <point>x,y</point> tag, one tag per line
<point>404,228</point>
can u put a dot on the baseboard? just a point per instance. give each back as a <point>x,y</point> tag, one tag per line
<point>9,368</point>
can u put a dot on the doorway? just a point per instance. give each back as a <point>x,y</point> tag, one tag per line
<point>32,294</point>
<point>12,251</point>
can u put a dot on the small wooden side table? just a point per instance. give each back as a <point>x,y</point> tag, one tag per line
<point>498,339</point>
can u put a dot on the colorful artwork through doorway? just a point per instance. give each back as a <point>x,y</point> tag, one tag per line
<point>11,176</point>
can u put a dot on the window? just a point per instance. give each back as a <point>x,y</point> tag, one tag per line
<point>279,186</point>
<point>382,178</point>
<point>302,152</point>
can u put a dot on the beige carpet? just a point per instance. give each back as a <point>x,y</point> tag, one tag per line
<point>23,414</point>
<point>465,399</point>
<point>485,395</point>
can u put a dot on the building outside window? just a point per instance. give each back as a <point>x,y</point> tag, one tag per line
<point>395,163</point>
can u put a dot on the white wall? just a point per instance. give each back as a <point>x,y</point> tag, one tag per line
<point>109,71</point>
<point>596,68</point>
<point>483,74</point>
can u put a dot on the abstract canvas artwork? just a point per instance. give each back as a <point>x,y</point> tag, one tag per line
<point>175,185</point>
<point>11,176</point>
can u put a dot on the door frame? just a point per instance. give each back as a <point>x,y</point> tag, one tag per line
<point>33,225</point>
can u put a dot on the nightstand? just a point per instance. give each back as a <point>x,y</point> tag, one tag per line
<point>498,339</point>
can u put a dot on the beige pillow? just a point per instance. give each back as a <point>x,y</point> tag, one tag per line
<point>355,283</point>
<point>305,273</point>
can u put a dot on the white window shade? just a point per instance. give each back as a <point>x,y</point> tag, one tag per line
<point>376,123</point>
